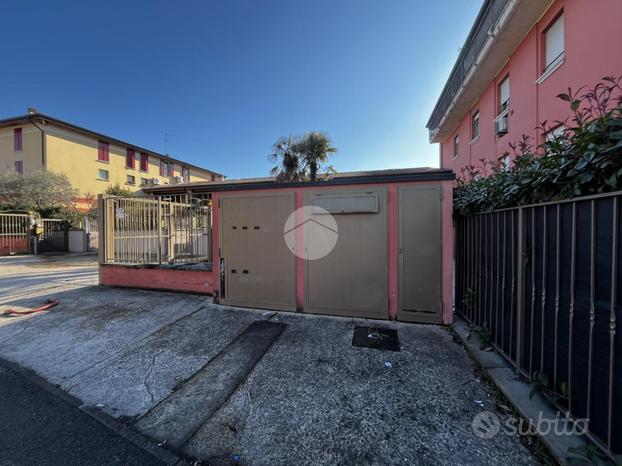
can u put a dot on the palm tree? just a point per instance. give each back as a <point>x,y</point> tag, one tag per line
<point>301,157</point>
<point>316,148</point>
<point>287,152</point>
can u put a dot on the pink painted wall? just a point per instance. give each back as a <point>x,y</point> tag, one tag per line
<point>13,245</point>
<point>592,34</point>
<point>193,281</point>
<point>393,229</point>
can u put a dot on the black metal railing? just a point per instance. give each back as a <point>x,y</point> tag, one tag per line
<point>543,283</point>
<point>487,18</point>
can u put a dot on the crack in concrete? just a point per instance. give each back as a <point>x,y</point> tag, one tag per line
<point>149,371</point>
<point>130,347</point>
<point>30,320</point>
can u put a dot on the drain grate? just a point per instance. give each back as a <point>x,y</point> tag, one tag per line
<point>376,338</point>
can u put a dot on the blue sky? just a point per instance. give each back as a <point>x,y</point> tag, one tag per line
<point>226,78</point>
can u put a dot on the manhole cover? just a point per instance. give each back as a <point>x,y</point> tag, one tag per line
<point>376,338</point>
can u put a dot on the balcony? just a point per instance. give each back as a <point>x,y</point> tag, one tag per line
<point>499,28</point>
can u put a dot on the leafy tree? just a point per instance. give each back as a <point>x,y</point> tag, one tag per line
<point>302,158</point>
<point>585,158</point>
<point>44,191</point>
<point>117,190</point>
<point>39,191</point>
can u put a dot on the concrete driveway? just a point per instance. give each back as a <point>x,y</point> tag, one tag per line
<point>229,385</point>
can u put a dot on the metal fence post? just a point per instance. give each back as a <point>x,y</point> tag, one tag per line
<point>101,226</point>
<point>159,224</point>
<point>520,285</point>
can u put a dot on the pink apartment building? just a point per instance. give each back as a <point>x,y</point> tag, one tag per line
<point>519,55</point>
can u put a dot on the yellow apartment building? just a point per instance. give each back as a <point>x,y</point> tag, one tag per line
<point>91,160</point>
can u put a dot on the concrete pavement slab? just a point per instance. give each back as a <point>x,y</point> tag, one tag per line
<point>135,380</point>
<point>89,326</point>
<point>315,399</point>
<point>180,415</point>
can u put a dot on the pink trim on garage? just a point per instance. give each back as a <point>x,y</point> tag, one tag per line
<point>394,229</point>
<point>393,232</point>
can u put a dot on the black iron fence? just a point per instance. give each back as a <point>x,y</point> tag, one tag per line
<point>54,236</point>
<point>542,282</point>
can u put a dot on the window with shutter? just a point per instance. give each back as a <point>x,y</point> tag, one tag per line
<point>130,159</point>
<point>17,139</point>
<point>554,42</point>
<point>475,126</point>
<point>103,154</point>
<point>504,94</point>
<point>144,162</point>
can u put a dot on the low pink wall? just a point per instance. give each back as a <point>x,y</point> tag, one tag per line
<point>194,281</point>
<point>17,246</point>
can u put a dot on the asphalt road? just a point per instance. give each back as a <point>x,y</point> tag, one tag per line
<point>38,427</point>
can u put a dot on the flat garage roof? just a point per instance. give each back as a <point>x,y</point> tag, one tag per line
<point>345,178</point>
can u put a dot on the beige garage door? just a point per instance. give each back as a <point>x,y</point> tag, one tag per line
<point>259,269</point>
<point>353,279</point>
<point>420,253</point>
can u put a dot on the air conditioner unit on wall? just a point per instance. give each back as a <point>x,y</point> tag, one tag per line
<point>501,125</point>
<point>178,179</point>
<point>154,181</point>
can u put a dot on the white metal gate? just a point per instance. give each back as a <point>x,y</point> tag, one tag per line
<point>14,234</point>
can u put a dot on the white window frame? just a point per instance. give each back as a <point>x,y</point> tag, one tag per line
<point>102,178</point>
<point>552,61</point>
<point>505,161</point>
<point>554,46</point>
<point>474,118</point>
<point>504,102</point>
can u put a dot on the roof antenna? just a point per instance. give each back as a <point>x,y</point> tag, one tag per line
<point>165,143</point>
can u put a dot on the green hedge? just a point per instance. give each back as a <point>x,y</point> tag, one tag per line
<point>585,158</point>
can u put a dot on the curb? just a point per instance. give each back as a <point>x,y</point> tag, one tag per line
<point>109,422</point>
<point>516,390</point>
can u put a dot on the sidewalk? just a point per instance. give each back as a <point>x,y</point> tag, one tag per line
<point>43,428</point>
